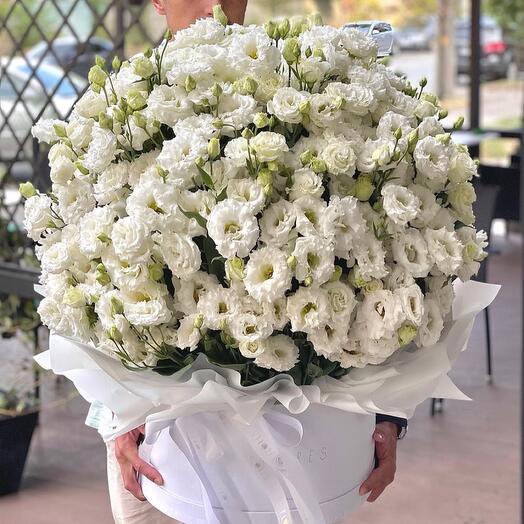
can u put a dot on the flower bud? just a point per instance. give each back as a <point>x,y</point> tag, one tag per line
<point>283,28</point>
<point>104,238</point>
<point>114,334</point>
<point>155,271</point>
<point>318,53</point>
<point>235,269</point>
<point>261,120</point>
<point>304,107</point>
<point>190,83</point>
<point>308,52</point>
<point>363,188</point>
<point>247,133</point>
<point>105,121</point>
<point>291,50</point>
<point>315,19</point>
<point>306,157</point>
<point>216,90</point>
<point>337,273</point>
<point>168,35</point>
<point>443,113</point>
<point>355,279</point>
<point>265,177</point>
<point>444,138</point>
<point>423,82</point>
<point>119,115</point>
<point>198,322</point>
<point>271,29</point>
<point>459,122</point>
<point>213,148</point>
<point>308,281</point>
<point>74,297</point>
<point>273,166</point>
<point>318,165</point>
<point>100,61</point>
<point>81,168</point>
<point>398,133</point>
<point>143,67</point>
<point>219,15</point>
<point>60,130</point>
<point>97,76</point>
<point>218,123</point>
<point>373,285</point>
<point>117,307</point>
<point>103,279</point>
<point>116,64</point>
<point>136,100</point>
<point>292,262</point>
<point>406,334</point>
<point>27,190</point>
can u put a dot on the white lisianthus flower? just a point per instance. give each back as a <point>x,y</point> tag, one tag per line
<point>339,156</point>
<point>308,309</point>
<point>432,162</point>
<point>38,215</point>
<point>141,310</point>
<point>410,251</point>
<point>305,182</point>
<point>376,154</point>
<point>359,99</point>
<point>344,220</point>
<point>461,197</point>
<point>218,305</point>
<point>61,163</point>
<point>286,103</point>
<point>382,313</point>
<point>179,252</point>
<point>90,104</point>
<point>95,231</point>
<point>268,85</point>
<point>169,104</point>
<point>233,228</point>
<point>56,258</point>
<point>268,276</point>
<point>399,203</point>
<point>131,239</point>
<point>101,151</point>
<point>462,167</point>
<point>356,45</point>
<point>68,321</point>
<point>441,289</point>
<point>280,353</point>
<point>428,205</point>
<point>201,125</point>
<point>188,336</point>
<point>342,301</point>
<point>44,130</point>
<point>329,341</point>
<point>308,212</point>
<point>325,112</point>
<point>188,292</point>
<point>110,184</point>
<point>250,326</point>
<point>370,255</point>
<point>277,223</point>
<point>432,324</point>
<point>315,258</point>
<point>237,150</point>
<point>179,155</point>
<point>268,146</point>
<point>236,111</point>
<point>247,192</point>
<point>252,349</point>
<point>473,252</point>
<point>412,301</point>
<point>74,200</point>
<point>445,248</point>
<point>399,276</point>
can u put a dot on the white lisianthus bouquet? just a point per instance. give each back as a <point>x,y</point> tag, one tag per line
<point>274,198</point>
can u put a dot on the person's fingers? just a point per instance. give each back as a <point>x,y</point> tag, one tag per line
<point>375,494</point>
<point>143,468</point>
<point>385,445</point>
<point>379,478</point>
<point>130,482</point>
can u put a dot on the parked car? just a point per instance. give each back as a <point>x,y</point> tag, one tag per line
<point>416,37</point>
<point>70,54</point>
<point>382,32</point>
<point>40,98</point>
<point>496,56</point>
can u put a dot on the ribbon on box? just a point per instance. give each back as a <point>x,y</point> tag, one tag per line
<point>261,449</point>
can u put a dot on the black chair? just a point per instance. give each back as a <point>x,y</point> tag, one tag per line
<point>484,209</point>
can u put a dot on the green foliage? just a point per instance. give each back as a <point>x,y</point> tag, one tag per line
<point>509,14</point>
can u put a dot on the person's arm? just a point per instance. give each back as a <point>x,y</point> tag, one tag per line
<point>387,431</point>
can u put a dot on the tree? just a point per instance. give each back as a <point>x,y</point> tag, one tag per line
<point>510,15</point>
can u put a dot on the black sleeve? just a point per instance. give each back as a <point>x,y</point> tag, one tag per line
<point>400,422</point>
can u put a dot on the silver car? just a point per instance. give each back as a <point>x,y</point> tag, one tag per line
<point>381,32</point>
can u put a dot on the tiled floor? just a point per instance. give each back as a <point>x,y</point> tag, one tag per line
<point>460,467</point>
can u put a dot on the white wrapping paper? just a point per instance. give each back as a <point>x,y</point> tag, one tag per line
<point>395,387</point>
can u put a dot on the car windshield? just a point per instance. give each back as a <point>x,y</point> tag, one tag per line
<point>50,79</point>
<point>363,28</point>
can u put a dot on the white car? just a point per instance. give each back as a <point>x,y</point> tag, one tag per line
<point>17,115</point>
<point>381,32</point>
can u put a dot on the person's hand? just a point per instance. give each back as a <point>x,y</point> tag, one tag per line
<point>385,437</point>
<point>131,465</point>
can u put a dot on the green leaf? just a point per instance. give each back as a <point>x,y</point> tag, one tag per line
<point>222,195</point>
<point>314,371</point>
<point>208,181</point>
<point>197,216</point>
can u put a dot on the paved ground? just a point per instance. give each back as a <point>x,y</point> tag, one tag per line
<point>460,467</point>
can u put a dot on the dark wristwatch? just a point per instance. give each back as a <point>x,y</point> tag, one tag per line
<point>401,423</point>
